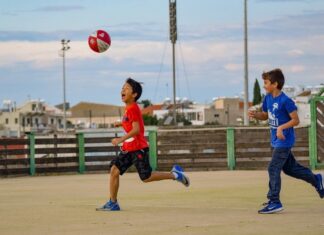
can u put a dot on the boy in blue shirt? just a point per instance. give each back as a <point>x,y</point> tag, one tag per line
<point>282,116</point>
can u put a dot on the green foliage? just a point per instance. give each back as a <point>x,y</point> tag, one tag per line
<point>182,118</point>
<point>257,98</point>
<point>146,103</point>
<point>150,120</point>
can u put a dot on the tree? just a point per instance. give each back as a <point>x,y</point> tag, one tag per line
<point>150,120</point>
<point>257,98</point>
<point>146,103</point>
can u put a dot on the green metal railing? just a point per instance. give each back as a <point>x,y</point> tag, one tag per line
<point>312,133</point>
<point>81,155</point>
<point>153,149</point>
<point>32,165</point>
<point>231,162</point>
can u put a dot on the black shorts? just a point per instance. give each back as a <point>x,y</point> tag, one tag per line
<point>139,158</point>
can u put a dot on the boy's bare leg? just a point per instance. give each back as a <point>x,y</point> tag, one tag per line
<point>156,176</point>
<point>114,183</point>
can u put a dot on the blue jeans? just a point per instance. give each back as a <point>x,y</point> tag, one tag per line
<point>283,159</point>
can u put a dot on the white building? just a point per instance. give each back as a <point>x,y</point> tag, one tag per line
<point>34,115</point>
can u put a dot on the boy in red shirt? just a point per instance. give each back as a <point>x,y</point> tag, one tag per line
<point>134,148</point>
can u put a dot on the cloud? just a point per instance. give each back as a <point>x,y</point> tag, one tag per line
<point>233,67</point>
<point>212,56</point>
<point>59,8</point>
<point>295,52</point>
<point>296,68</point>
<point>298,26</point>
<point>281,1</point>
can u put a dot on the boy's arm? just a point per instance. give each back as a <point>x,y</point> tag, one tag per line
<point>117,124</point>
<point>258,115</point>
<point>135,131</point>
<point>293,122</point>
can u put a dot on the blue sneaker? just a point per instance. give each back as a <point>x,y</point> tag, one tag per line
<point>180,175</point>
<point>320,183</point>
<point>109,206</point>
<point>271,207</point>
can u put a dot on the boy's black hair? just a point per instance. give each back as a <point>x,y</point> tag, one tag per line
<point>136,86</point>
<point>273,76</point>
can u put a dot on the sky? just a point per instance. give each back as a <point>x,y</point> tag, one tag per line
<point>286,34</point>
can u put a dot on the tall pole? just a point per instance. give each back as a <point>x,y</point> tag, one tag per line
<point>246,75</point>
<point>174,86</point>
<point>65,47</point>
<point>173,38</point>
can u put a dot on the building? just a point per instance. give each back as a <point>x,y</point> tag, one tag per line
<point>223,111</point>
<point>94,115</point>
<point>196,114</point>
<point>229,110</point>
<point>294,91</point>
<point>33,116</point>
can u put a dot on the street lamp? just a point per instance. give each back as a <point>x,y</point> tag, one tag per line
<point>173,38</point>
<point>65,47</point>
<point>246,74</point>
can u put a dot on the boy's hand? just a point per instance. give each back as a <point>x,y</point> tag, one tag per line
<point>117,124</point>
<point>280,134</point>
<point>252,113</point>
<point>116,141</point>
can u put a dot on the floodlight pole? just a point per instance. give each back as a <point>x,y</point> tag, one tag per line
<point>65,47</point>
<point>173,38</point>
<point>246,75</point>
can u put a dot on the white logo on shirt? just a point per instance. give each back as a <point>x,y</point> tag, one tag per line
<point>273,121</point>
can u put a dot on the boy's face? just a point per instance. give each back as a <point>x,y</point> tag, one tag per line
<point>268,86</point>
<point>127,94</point>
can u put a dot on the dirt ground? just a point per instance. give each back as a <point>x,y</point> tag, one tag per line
<point>220,202</point>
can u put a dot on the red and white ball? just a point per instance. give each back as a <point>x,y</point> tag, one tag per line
<point>99,41</point>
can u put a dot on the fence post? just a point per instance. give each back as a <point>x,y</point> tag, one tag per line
<point>230,148</point>
<point>312,161</point>
<point>32,165</point>
<point>312,136</point>
<point>81,152</point>
<point>153,149</point>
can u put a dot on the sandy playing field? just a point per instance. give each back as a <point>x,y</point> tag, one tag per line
<point>220,202</point>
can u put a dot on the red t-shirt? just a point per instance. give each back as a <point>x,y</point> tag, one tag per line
<point>133,114</point>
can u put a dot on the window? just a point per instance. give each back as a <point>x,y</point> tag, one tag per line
<point>52,121</point>
<point>191,116</point>
<point>16,120</point>
<point>33,107</point>
<point>200,116</point>
<point>7,120</point>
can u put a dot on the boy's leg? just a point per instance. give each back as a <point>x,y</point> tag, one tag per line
<point>114,183</point>
<point>294,169</point>
<point>156,176</point>
<point>142,163</point>
<point>119,165</point>
<point>279,157</point>
<point>112,204</point>
<point>173,175</point>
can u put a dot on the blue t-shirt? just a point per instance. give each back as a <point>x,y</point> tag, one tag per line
<point>278,109</point>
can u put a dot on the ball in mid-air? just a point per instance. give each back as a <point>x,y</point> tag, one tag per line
<point>99,41</point>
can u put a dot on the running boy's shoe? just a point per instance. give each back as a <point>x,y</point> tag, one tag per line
<point>320,183</point>
<point>109,206</point>
<point>271,207</point>
<point>180,175</point>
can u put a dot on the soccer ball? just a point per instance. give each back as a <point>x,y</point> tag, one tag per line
<point>99,41</point>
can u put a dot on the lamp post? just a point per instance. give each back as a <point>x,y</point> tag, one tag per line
<point>246,75</point>
<point>173,38</point>
<point>65,47</point>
